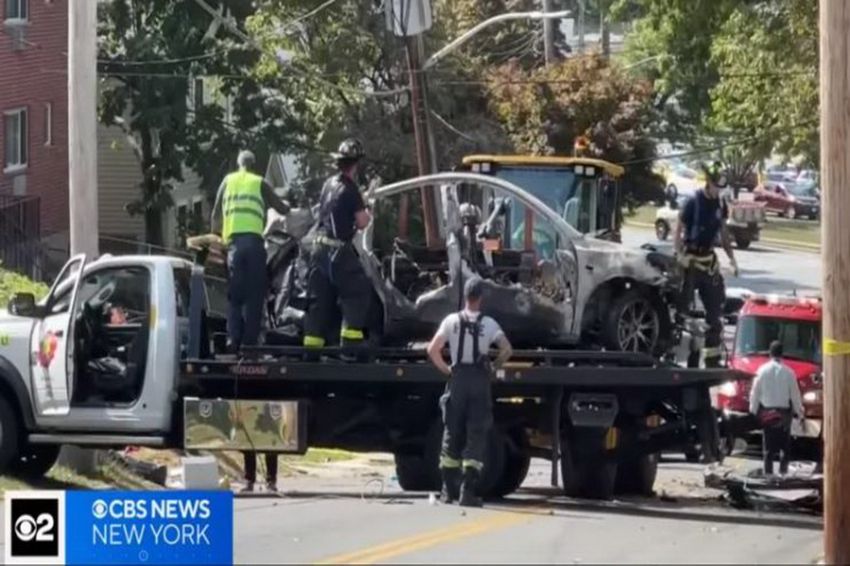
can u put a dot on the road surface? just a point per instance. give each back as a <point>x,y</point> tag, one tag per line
<point>763,269</point>
<point>350,512</point>
<point>343,520</point>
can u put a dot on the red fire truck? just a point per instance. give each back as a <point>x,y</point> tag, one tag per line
<point>796,322</point>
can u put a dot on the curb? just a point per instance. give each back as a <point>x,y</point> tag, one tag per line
<point>800,246</point>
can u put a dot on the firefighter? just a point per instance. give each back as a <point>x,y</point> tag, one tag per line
<point>466,404</point>
<point>336,276</point>
<point>240,205</point>
<point>701,220</point>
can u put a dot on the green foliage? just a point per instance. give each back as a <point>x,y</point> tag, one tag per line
<point>546,109</point>
<point>151,50</point>
<point>11,283</point>
<point>767,55</point>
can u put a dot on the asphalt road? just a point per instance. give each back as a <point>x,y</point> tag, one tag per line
<point>351,512</point>
<point>764,269</point>
<point>345,521</point>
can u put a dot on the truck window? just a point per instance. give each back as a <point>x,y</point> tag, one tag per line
<point>122,293</point>
<point>801,340</point>
<point>182,290</point>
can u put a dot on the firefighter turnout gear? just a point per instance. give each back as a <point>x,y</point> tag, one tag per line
<point>336,277</point>
<point>244,208</point>
<point>466,405</point>
<point>703,219</point>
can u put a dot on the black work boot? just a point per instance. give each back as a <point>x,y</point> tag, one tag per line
<point>451,485</point>
<point>469,490</point>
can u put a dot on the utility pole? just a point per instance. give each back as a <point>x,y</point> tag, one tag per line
<point>581,7</point>
<point>548,34</point>
<point>604,29</point>
<point>835,174</point>
<point>82,159</point>
<point>425,158</point>
<point>82,126</point>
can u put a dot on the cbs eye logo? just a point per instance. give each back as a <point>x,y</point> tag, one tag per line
<point>35,527</point>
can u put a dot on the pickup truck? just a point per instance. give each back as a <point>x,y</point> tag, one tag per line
<point>124,351</point>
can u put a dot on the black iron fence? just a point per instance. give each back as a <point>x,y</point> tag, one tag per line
<point>20,235</point>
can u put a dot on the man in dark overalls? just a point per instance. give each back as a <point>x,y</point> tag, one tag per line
<point>336,276</point>
<point>701,220</point>
<point>466,405</point>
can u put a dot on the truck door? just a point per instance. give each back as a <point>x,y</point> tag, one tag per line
<point>53,343</point>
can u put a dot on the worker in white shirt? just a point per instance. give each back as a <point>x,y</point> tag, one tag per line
<point>775,399</point>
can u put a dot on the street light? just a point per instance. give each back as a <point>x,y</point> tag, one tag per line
<point>463,38</point>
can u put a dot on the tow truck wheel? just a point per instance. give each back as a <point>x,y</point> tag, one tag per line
<point>516,464</point>
<point>791,213</point>
<point>637,477</point>
<point>420,470</point>
<point>36,460</point>
<point>9,435</point>
<point>585,471</point>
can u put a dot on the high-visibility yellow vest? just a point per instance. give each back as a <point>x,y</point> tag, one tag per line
<point>244,207</point>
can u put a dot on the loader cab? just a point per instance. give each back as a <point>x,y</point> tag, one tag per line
<point>584,192</point>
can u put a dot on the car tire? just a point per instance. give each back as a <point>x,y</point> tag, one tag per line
<point>791,213</point>
<point>742,242</point>
<point>662,230</point>
<point>637,306</point>
<point>36,460</point>
<point>10,434</point>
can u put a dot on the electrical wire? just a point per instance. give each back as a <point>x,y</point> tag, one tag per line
<point>308,15</point>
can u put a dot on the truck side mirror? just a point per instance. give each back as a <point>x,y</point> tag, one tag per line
<point>23,304</point>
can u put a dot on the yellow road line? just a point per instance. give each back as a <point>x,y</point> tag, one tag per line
<point>386,551</point>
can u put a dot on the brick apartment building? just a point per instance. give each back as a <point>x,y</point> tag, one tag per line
<point>34,112</point>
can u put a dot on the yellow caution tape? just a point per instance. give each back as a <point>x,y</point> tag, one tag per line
<point>835,348</point>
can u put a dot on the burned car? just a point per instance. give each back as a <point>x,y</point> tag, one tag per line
<point>555,288</point>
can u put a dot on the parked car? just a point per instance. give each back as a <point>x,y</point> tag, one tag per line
<point>790,199</point>
<point>567,290</point>
<point>684,180</point>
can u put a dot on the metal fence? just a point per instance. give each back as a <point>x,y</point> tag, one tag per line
<point>20,235</point>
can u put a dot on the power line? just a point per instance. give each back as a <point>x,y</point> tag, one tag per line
<point>309,14</point>
<point>189,59</point>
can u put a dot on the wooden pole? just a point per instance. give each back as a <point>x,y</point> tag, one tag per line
<point>422,134</point>
<point>835,246</point>
<point>82,159</point>
<point>82,126</point>
<point>548,34</point>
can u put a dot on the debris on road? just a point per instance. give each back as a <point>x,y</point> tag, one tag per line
<point>800,490</point>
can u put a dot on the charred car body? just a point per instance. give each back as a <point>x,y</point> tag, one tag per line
<point>569,290</point>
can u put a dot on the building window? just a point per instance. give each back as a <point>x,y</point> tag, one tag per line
<point>15,122</point>
<point>198,209</point>
<point>48,123</point>
<point>16,10</point>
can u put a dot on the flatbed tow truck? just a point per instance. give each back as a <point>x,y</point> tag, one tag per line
<point>123,351</point>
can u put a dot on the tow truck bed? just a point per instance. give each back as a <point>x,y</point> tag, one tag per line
<point>578,368</point>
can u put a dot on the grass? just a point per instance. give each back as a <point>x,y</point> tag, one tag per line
<point>58,478</point>
<point>803,231</point>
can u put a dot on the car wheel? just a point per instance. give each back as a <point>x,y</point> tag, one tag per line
<point>634,324</point>
<point>662,230</point>
<point>9,436</point>
<point>742,242</point>
<point>791,213</point>
<point>35,461</point>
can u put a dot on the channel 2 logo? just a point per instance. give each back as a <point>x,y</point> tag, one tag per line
<point>34,530</point>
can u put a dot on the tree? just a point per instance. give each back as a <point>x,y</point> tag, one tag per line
<point>767,97</point>
<point>670,45</point>
<point>546,109</point>
<point>150,52</point>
